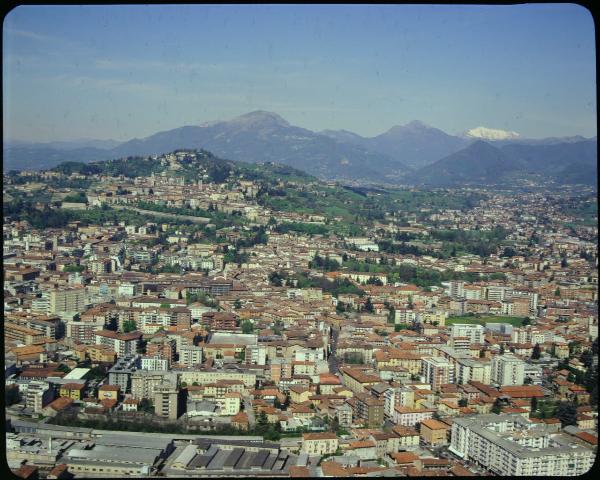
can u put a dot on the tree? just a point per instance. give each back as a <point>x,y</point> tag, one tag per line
<point>63,368</point>
<point>334,425</point>
<point>391,318</point>
<point>557,292</point>
<point>463,402</point>
<point>567,413</point>
<point>146,405</point>
<point>537,352</point>
<point>574,348</point>
<point>237,304</point>
<point>247,326</point>
<point>587,357</point>
<point>369,305</point>
<point>497,408</point>
<point>11,395</point>
<point>129,326</point>
<point>534,404</point>
<point>591,384</point>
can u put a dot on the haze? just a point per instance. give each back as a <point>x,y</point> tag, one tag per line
<point>120,72</point>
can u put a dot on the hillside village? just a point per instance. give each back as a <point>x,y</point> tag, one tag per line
<point>457,336</point>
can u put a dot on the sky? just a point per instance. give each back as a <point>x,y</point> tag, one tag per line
<point>124,71</point>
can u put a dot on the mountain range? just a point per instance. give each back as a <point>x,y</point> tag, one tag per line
<point>482,163</point>
<point>414,153</point>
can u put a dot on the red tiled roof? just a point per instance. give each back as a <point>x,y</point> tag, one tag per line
<point>588,437</point>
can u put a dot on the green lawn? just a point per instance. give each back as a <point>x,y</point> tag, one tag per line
<point>514,321</point>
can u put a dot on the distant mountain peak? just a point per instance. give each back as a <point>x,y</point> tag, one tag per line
<point>491,134</point>
<point>261,116</point>
<point>414,126</point>
<point>417,124</point>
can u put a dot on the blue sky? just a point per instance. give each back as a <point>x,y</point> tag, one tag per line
<point>129,71</point>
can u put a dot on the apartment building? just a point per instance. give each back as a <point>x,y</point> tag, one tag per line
<point>167,401</point>
<point>473,332</point>
<point>120,373</point>
<point>358,381</point>
<point>437,371</point>
<point>434,433</point>
<point>409,417</point>
<point>162,347</point>
<point>398,397</point>
<point>324,443</point>
<point>68,300</point>
<point>212,376</point>
<point>38,395</point>
<point>122,344</point>
<point>510,445</point>
<point>467,370</point>
<point>190,355</point>
<point>22,334</point>
<point>144,382</point>
<point>369,410</point>
<point>508,369</point>
<point>154,362</point>
<point>84,330</point>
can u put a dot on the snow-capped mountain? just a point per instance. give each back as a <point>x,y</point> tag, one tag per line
<point>485,133</point>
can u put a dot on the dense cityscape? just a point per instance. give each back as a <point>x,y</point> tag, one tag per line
<point>260,322</point>
<point>300,241</point>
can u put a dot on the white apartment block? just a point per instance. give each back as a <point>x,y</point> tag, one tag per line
<point>190,355</point>
<point>403,315</point>
<point>497,293</point>
<point>508,369</point>
<point>512,445</point>
<point>531,335</point>
<point>38,395</point>
<point>456,289</point>
<point>473,292</point>
<point>154,363</point>
<point>468,370</point>
<point>257,355</point>
<point>397,397</point>
<point>409,417</point>
<point>71,300</point>
<point>474,332</point>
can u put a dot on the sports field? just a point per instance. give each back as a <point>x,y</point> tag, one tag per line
<point>514,321</point>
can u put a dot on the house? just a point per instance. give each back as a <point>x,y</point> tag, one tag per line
<point>109,392</point>
<point>363,449</point>
<point>72,390</point>
<point>59,472</point>
<point>434,433</point>
<point>57,406</point>
<point>585,422</point>
<point>27,472</point>
<point>240,421</point>
<point>322,443</point>
<point>409,437</point>
<point>299,394</point>
<point>130,405</point>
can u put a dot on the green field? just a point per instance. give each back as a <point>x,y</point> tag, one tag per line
<point>514,321</point>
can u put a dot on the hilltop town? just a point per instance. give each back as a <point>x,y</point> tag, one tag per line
<point>180,315</point>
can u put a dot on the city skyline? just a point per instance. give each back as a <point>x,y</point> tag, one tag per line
<point>129,71</point>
